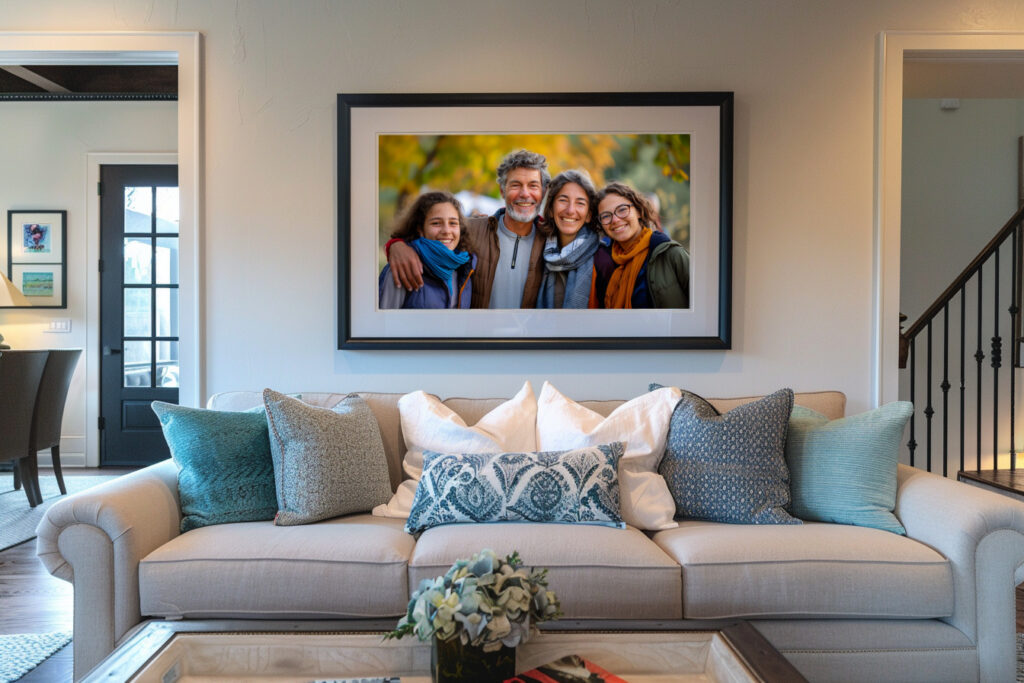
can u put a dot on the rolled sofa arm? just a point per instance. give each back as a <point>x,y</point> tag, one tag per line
<point>95,539</point>
<point>981,533</point>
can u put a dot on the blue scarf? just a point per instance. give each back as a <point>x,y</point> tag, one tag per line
<point>577,260</point>
<point>441,261</point>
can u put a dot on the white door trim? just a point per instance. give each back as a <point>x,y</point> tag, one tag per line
<point>892,47</point>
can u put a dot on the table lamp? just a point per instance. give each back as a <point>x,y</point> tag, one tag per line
<point>10,296</point>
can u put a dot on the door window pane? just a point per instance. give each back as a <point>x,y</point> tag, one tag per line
<point>137,360</point>
<point>137,311</point>
<point>166,312</point>
<point>167,364</point>
<point>138,209</point>
<point>167,209</point>
<point>167,260</point>
<point>138,261</point>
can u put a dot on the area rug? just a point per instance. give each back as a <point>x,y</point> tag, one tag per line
<point>22,652</point>
<point>18,521</point>
<point>1020,658</point>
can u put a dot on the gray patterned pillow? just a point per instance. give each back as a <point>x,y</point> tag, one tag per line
<point>731,467</point>
<point>327,462</point>
<point>577,486</point>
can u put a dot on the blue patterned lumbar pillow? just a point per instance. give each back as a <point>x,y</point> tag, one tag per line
<point>224,465</point>
<point>575,486</point>
<point>731,467</point>
<point>844,470</point>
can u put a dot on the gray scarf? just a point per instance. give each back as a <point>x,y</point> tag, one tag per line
<point>577,260</point>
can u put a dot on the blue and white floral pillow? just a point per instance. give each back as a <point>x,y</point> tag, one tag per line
<point>579,486</point>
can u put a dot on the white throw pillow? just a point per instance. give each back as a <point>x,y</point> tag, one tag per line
<point>429,425</point>
<point>642,424</point>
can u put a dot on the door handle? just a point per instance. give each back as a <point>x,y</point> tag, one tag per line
<point>107,351</point>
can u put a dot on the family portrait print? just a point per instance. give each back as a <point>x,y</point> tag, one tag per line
<point>533,221</point>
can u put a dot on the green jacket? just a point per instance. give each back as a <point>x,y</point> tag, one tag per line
<point>668,275</point>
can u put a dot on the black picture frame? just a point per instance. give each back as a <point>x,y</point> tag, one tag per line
<point>363,118</point>
<point>44,262</point>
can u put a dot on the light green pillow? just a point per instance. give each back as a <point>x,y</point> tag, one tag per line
<point>844,470</point>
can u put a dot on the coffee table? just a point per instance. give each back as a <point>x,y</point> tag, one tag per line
<point>190,652</point>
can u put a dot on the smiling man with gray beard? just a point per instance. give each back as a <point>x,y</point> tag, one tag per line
<point>509,255</point>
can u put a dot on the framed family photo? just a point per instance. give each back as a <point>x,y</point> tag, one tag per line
<point>37,255</point>
<point>674,150</point>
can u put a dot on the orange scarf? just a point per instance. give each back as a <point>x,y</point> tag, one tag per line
<point>623,279</point>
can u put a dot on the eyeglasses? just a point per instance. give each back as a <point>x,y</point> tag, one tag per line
<point>622,211</point>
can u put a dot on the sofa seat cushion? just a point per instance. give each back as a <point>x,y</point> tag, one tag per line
<point>808,570</point>
<point>597,572</point>
<point>351,567</point>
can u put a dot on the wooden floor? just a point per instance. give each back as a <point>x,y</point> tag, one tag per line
<point>32,601</point>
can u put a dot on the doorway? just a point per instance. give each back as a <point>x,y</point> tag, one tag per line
<point>139,329</point>
<point>184,49</point>
<point>894,50</point>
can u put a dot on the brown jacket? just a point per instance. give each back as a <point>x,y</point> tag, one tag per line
<point>484,231</point>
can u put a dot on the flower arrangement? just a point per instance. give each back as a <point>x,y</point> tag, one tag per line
<point>485,601</point>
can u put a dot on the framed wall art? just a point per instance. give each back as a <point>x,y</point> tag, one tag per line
<point>37,256</point>
<point>674,148</point>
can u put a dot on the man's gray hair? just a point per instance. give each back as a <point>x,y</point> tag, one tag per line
<point>523,159</point>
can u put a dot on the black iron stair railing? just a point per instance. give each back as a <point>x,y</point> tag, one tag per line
<point>988,282</point>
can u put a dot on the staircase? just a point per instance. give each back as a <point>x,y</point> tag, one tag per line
<point>965,393</point>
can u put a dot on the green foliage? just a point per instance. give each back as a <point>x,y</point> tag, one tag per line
<point>653,163</point>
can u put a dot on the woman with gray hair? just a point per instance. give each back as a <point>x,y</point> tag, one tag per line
<point>571,242</point>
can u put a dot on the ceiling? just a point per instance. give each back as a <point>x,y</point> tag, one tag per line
<point>88,82</point>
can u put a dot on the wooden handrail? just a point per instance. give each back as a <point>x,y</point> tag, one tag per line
<point>962,279</point>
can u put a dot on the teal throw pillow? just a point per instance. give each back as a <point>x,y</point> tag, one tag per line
<point>729,468</point>
<point>844,470</point>
<point>327,462</point>
<point>225,472</point>
<point>578,486</point>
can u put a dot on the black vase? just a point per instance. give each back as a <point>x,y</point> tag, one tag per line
<point>451,662</point>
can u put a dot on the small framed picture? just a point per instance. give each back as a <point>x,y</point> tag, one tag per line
<point>37,255</point>
<point>42,285</point>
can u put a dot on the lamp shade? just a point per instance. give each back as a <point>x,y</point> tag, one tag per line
<point>11,295</point>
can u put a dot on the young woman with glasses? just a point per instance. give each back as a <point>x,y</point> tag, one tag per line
<point>572,241</point>
<point>644,268</point>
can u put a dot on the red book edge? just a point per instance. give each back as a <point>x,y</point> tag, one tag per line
<point>538,676</point>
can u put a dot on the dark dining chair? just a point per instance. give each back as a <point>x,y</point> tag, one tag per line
<point>20,374</point>
<point>49,412</point>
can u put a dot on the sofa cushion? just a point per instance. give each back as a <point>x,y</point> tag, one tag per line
<point>351,567</point>
<point>427,424</point>
<point>577,486</point>
<point>327,462</point>
<point>641,424</point>
<point>597,572</point>
<point>224,464</point>
<point>845,470</point>
<point>731,467</point>
<point>808,570</point>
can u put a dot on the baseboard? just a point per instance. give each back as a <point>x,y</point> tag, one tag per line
<point>72,453</point>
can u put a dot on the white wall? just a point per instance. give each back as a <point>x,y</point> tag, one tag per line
<point>804,77</point>
<point>43,146</point>
<point>959,189</point>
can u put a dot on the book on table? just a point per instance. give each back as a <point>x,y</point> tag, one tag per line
<point>570,669</point>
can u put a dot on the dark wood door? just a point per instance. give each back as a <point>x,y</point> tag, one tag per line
<point>138,309</point>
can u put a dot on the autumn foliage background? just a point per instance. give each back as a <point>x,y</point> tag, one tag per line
<point>656,164</point>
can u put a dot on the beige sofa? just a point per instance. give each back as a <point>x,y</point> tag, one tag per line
<point>842,603</point>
